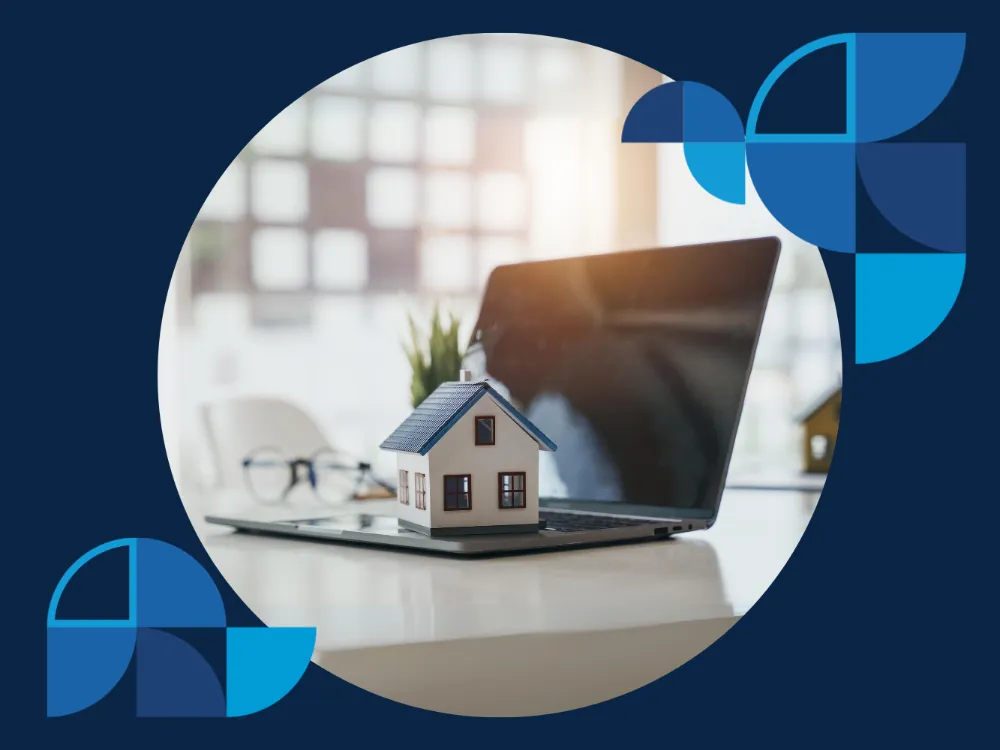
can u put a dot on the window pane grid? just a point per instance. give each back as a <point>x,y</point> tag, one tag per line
<point>420,487</point>
<point>512,491</point>
<point>457,492</point>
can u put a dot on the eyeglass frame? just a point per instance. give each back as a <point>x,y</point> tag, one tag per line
<point>362,467</point>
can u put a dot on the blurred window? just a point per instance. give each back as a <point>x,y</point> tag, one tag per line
<point>337,128</point>
<point>504,70</point>
<point>391,197</point>
<point>280,259</point>
<point>398,71</point>
<point>420,170</point>
<point>450,136</point>
<point>279,190</point>
<point>451,70</point>
<point>446,263</point>
<point>394,132</point>
<point>340,259</point>
<point>448,199</point>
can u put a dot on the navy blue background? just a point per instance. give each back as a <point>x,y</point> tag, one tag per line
<point>120,121</point>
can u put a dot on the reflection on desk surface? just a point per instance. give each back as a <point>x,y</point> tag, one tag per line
<point>364,596</point>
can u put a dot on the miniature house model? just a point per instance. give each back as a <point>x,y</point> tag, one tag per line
<point>468,463</point>
<point>820,422</point>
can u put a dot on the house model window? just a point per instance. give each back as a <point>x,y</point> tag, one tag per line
<point>511,489</point>
<point>457,491</point>
<point>420,482</point>
<point>820,446</point>
<point>486,431</point>
<point>404,488</point>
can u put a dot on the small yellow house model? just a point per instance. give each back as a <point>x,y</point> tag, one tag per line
<point>820,422</point>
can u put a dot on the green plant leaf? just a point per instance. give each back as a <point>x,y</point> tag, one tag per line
<point>434,360</point>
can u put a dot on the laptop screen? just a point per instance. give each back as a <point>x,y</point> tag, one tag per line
<point>635,364</point>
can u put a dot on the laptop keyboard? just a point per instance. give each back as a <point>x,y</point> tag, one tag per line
<point>556,521</point>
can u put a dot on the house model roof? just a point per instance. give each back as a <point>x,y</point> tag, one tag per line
<point>443,408</point>
<point>818,404</point>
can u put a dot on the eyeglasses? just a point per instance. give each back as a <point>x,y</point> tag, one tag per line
<point>334,477</point>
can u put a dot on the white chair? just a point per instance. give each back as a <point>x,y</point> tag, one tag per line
<point>236,427</point>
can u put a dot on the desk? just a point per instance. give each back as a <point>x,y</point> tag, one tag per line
<point>514,635</point>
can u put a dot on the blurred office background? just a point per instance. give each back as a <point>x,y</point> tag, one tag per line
<point>401,183</point>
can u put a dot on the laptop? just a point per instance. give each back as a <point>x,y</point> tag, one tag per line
<point>635,364</point>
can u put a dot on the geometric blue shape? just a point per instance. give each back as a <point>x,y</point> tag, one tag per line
<point>174,590</point>
<point>810,97</point>
<point>809,188</point>
<point>901,299</point>
<point>210,643</point>
<point>98,590</point>
<point>720,168</point>
<point>657,117</point>
<point>84,664</point>
<point>708,116</point>
<point>847,136</point>
<point>919,188</point>
<point>901,79</point>
<point>71,571</point>
<point>263,664</point>
<point>173,679</point>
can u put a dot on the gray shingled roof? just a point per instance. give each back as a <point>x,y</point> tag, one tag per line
<point>442,409</point>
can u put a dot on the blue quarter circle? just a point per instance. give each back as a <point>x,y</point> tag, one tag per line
<point>657,117</point>
<point>174,590</point>
<point>902,299</point>
<point>84,664</point>
<point>903,78</point>
<point>263,664</point>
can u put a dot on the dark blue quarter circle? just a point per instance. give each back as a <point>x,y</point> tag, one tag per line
<point>658,116</point>
<point>173,679</point>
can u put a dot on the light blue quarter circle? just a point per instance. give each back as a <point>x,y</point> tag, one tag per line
<point>720,168</point>
<point>263,664</point>
<point>902,299</point>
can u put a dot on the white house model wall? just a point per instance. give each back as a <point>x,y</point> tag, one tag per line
<point>457,453</point>
<point>413,464</point>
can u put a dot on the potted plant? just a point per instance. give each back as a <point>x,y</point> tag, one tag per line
<point>435,359</point>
